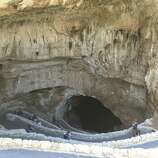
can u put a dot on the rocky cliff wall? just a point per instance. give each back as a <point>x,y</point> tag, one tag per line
<point>114,43</point>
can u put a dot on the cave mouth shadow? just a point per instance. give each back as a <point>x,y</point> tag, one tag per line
<point>89,114</point>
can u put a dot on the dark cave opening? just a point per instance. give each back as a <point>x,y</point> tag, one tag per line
<point>89,114</point>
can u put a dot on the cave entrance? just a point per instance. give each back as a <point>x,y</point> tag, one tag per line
<point>88,113</point>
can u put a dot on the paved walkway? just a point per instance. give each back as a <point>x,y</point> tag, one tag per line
<point>37,154</point>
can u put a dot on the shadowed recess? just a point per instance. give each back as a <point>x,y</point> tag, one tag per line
<point>90,114</point>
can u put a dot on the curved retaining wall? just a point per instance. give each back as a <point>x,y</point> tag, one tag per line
<point>81,149</point>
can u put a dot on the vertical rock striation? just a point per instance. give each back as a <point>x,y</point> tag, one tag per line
<point>103,48</point>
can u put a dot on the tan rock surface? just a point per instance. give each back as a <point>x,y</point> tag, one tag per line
<point>104,48</point>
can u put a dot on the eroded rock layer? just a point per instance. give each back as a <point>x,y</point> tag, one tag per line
<point>105,49</point>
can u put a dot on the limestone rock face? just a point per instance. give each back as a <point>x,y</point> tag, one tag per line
<point>23,4</point>
<point>101,48</point>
